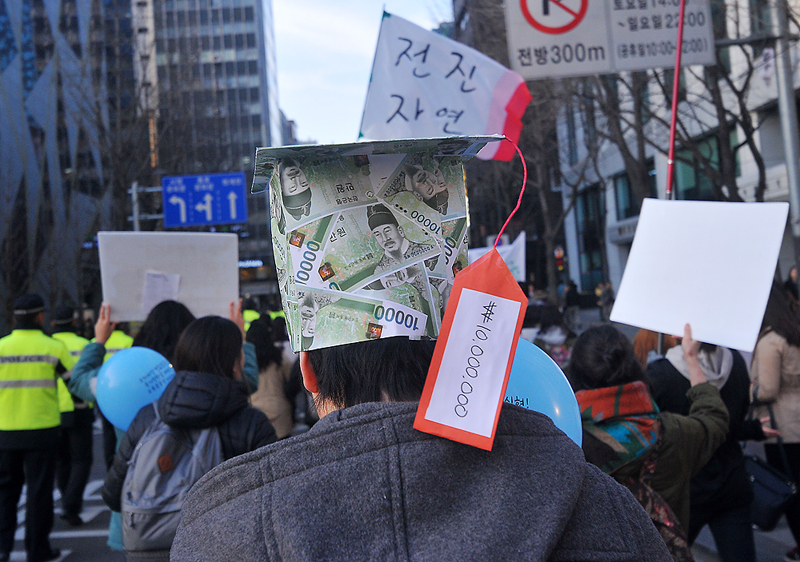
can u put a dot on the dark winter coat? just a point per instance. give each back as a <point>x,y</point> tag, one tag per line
<point>362,484</point>
<point>195,401</point>
<point>723,483</point>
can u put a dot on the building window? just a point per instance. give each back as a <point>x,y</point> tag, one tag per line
<point>691,183</point>
<point>572,140</point>
<point>760,20</point>
<point>627,205</point>
<point>248,14</point>
<point>252,67</point>
<point>237,14</point>
<point>589,219</point>
<point>251,40</point>
<point>228,41</point>
<point>239,41</point>
<point>669,80</point>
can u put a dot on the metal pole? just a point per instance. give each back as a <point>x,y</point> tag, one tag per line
<point>788,113</point>
<point>675,86</point>
<point>135,207</point>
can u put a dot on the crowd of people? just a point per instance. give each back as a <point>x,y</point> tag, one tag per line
<point>661,458</point>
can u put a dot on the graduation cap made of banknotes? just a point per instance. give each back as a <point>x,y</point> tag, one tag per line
<point>367,237</point>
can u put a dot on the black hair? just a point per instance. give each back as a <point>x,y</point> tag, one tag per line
<point>260,335</point>
<point>279,333</point>
<point>550,316</point>
<point>210,344</point>
<point>780,316</point>
<point>27,321</point>
<point>603,356</point>
<point>163,327</point>
<point>392,369</point>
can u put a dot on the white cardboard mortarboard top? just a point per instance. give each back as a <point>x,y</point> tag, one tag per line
<point>206,263</point>
<point>710,264</point>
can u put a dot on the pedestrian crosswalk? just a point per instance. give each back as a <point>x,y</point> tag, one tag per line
<point>93,508</point>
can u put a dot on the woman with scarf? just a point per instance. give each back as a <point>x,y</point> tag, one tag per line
<point>652,453</point>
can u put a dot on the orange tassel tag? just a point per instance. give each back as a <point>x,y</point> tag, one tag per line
<point>469,372</point>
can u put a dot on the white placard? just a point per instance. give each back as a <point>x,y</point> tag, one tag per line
<point>710,264</point>
<point>473,368</point>
<point>513,255</point>
<point>206,265</point>
<point>549,38</point>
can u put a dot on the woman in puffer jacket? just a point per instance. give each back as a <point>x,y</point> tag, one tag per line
<point>207,391</point>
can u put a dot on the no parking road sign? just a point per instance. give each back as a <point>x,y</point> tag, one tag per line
<point>553,38</point>
<point>203,200</point>
<point>554,16</point>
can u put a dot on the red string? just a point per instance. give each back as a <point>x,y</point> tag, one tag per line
<point>521,193</point>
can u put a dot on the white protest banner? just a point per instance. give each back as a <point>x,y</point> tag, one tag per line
<point>710,264</point>
<point>199,268</point>
<point>513,254</point>
<point>426,85</point>
<point>553,38</point>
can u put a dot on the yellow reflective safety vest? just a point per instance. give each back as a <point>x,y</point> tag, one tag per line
<point>276,314</point>
<point>75,345</point>
<point>30,363</point>
<point>73,341</point>
<point>249,316</point>
<point>65,403</point>
<point>117,341</point>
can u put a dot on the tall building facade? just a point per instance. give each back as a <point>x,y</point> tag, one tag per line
<point>66,80</point>
<point>207,70</point>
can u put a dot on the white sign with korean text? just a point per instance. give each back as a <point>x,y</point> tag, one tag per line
<point>473,367</point>
<point>709,264</point>
<point>426,85</point>
<point>553,38</point>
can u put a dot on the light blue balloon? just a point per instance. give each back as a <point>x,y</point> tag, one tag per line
<point>537,383</point>
<point>128,381</point>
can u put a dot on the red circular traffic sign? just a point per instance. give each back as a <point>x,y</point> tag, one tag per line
<point>575,15</point>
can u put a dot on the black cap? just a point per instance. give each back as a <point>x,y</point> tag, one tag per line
<point>28,304</point>
<point>378,215</point>
<point>63,315</point>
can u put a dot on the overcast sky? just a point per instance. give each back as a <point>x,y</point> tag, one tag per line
<point>325,50</point>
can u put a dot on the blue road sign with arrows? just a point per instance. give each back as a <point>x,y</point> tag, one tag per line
<point>204,199</point>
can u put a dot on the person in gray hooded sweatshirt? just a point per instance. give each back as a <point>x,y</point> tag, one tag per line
<point>362,484</point>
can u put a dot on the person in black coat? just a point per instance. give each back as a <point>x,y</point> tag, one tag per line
<point>721,493</point>
<point>207,391</point>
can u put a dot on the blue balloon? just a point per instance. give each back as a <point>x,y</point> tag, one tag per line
<point>537,383</point>
<point>128,381</point>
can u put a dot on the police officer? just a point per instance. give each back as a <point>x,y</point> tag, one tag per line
<point>30,363</point>
<point>75,450</point>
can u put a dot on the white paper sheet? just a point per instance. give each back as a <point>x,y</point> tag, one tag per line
<point>473,369</point>
<point>206,265</point>
<point>159,286</point>
<point>710,264</point>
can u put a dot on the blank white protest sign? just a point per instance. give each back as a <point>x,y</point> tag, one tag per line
<point>207,264</point>
<point>710,264</point>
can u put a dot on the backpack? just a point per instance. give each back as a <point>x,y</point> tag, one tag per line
<point>165,464</point>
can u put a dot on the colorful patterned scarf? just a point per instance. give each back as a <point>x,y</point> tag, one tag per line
<point>620,424</point>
